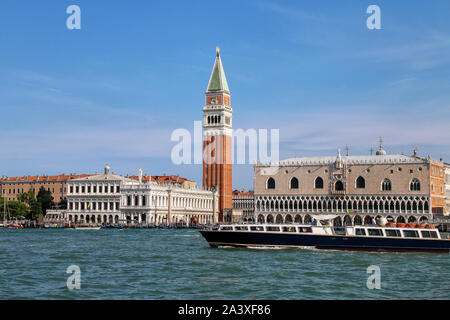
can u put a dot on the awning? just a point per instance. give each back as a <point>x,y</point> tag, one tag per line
<point>325,216</point>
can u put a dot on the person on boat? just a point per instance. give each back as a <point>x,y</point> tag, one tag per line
<point>374,222</point>
<point>314,222</point>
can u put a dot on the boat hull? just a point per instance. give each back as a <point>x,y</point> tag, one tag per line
<point>326,242</point>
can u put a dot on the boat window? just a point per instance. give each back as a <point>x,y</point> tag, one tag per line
<point>375,232</point>
<point>339,230</point>
<point>273,229</point>
<point>227,228</point>
<point>257,228</point>
<point>360,232</point>
<point>429,234</point>
<point>241,228</point>
<point>410,233</point>
<point>434,234</point>
<point>304,229</point>
<point>289,229</point>
<point>393,233</point>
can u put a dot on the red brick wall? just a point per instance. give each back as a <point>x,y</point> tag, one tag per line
<point>217,169</point>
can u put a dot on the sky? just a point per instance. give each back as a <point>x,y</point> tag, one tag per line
<point>115,90</point>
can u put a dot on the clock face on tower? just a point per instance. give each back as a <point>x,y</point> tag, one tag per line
<point>214,100</point>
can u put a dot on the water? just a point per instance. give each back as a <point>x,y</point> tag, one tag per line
<point>179,264</point>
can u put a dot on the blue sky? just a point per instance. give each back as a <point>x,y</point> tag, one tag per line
<point>72,100</point>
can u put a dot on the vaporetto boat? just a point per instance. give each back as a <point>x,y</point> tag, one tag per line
<point>322,235</point>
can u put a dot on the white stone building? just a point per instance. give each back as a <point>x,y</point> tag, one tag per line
<point>111,199</point>
<point>357,188</point>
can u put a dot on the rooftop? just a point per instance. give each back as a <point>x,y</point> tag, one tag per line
<point>218,81</point>
<point>369,159</point>
<point>242,193</point>
<point>163,178</point>
<point>103,176</point>
<point>43,178</point>
<point>109,176</point>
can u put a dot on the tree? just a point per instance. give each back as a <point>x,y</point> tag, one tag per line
<point>45,198</point>
<point>17,209</point>
<point>62,204</point>
<point>35,209</point>
<point>27,197</point>
<point>14,208</point>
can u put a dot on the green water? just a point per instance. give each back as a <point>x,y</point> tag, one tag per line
<point>179,264</point>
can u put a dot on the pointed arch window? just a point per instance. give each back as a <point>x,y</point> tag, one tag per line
<point>339,186</point>
<point>360,183</point>
<point>318,183</point>
<point>271,183</point>
<point>386,185</point>
<point>293,183</point>
<point>414,185</point>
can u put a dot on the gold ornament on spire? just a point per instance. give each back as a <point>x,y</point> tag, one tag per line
<point>218,50</point>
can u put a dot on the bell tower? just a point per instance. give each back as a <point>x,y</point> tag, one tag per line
<point>217,137</point>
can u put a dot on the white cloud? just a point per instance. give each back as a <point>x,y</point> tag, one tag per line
<point>331,129</point>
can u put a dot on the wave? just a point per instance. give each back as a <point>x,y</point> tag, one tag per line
<point>267,248</point>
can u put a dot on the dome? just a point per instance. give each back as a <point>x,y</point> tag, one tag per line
<point>381,152</point>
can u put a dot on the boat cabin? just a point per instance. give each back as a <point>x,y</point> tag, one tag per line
<point>377,231</point>
<point>357,231</point>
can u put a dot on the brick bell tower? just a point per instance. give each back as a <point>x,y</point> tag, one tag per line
<point>217,138</point>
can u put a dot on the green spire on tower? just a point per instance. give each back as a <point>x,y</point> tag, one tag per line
<point>218,81</point>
